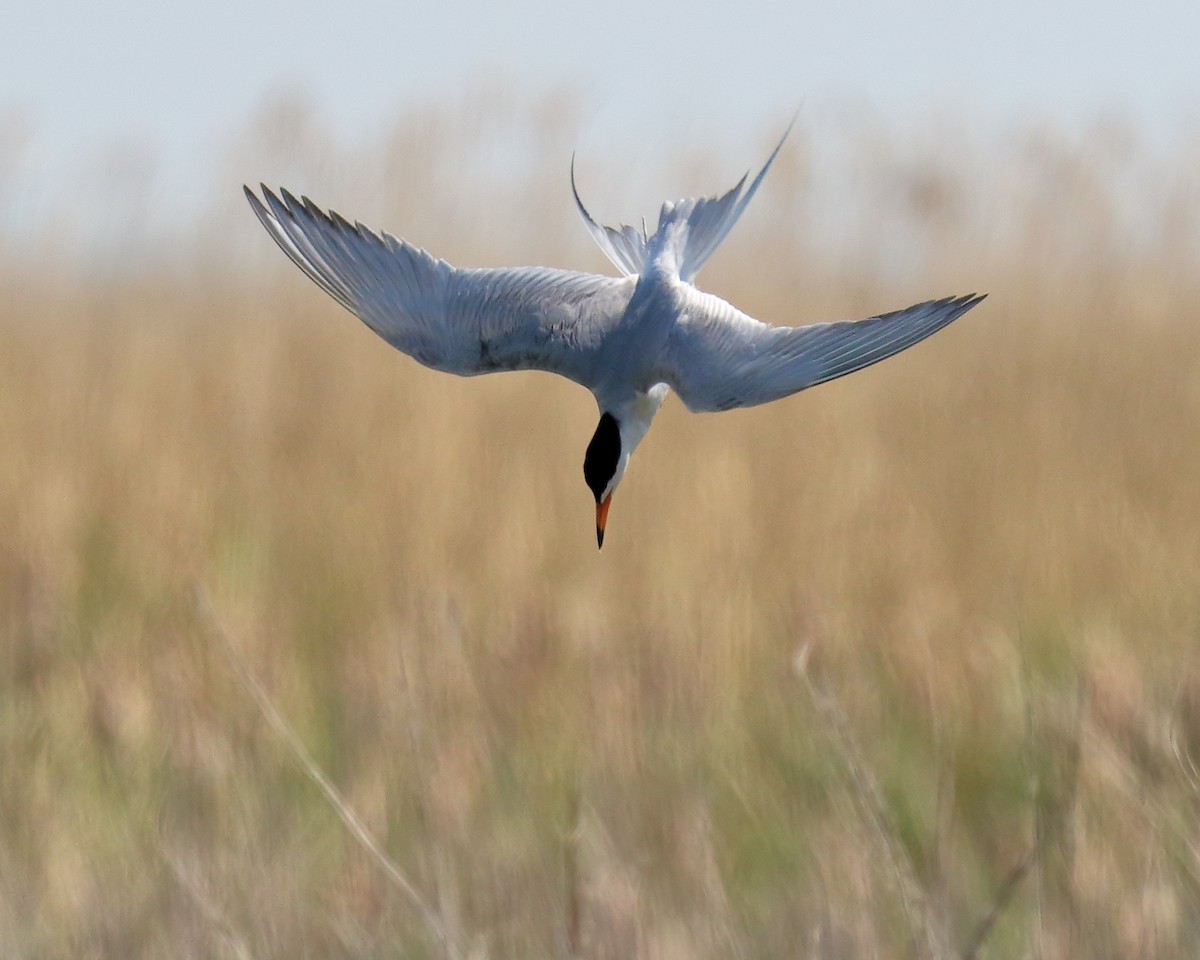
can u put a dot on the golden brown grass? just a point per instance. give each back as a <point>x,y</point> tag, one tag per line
<point>844,662</point>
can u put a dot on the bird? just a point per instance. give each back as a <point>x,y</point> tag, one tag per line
<point>630,340</point>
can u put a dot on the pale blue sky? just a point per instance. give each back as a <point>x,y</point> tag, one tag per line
<point>176,78</point>
<point>179,74</point>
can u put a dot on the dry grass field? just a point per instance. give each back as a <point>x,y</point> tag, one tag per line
<point>907,666</point>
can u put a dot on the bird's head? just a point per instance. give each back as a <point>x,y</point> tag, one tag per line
<point>617,436</point>
<point>603,466</point>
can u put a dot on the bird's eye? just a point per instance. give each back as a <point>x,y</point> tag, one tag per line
<point>603,455</point>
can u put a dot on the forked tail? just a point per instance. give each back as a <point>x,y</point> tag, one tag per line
<point>706,223</point>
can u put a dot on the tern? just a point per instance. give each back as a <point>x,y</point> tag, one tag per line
<point>630,340</point>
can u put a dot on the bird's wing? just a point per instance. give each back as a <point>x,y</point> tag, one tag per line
<point>717,358</point>
<point>461,321</point>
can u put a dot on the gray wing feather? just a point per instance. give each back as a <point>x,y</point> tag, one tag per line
<point>462,321</point>
<point>718,358</point>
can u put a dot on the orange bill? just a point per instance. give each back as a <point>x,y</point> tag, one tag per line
<point>602,519</point>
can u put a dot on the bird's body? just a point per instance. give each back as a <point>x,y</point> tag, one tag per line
<point>630,340</point>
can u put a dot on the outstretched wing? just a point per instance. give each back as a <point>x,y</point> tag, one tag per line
<point>460,321</point>
<point>718,358</point>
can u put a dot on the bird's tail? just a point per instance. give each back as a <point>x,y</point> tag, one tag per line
<point>705,223</point>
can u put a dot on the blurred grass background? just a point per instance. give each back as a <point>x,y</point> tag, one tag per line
<point>846,664</point>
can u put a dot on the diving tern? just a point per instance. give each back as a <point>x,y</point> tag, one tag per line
<point>629,340</point>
